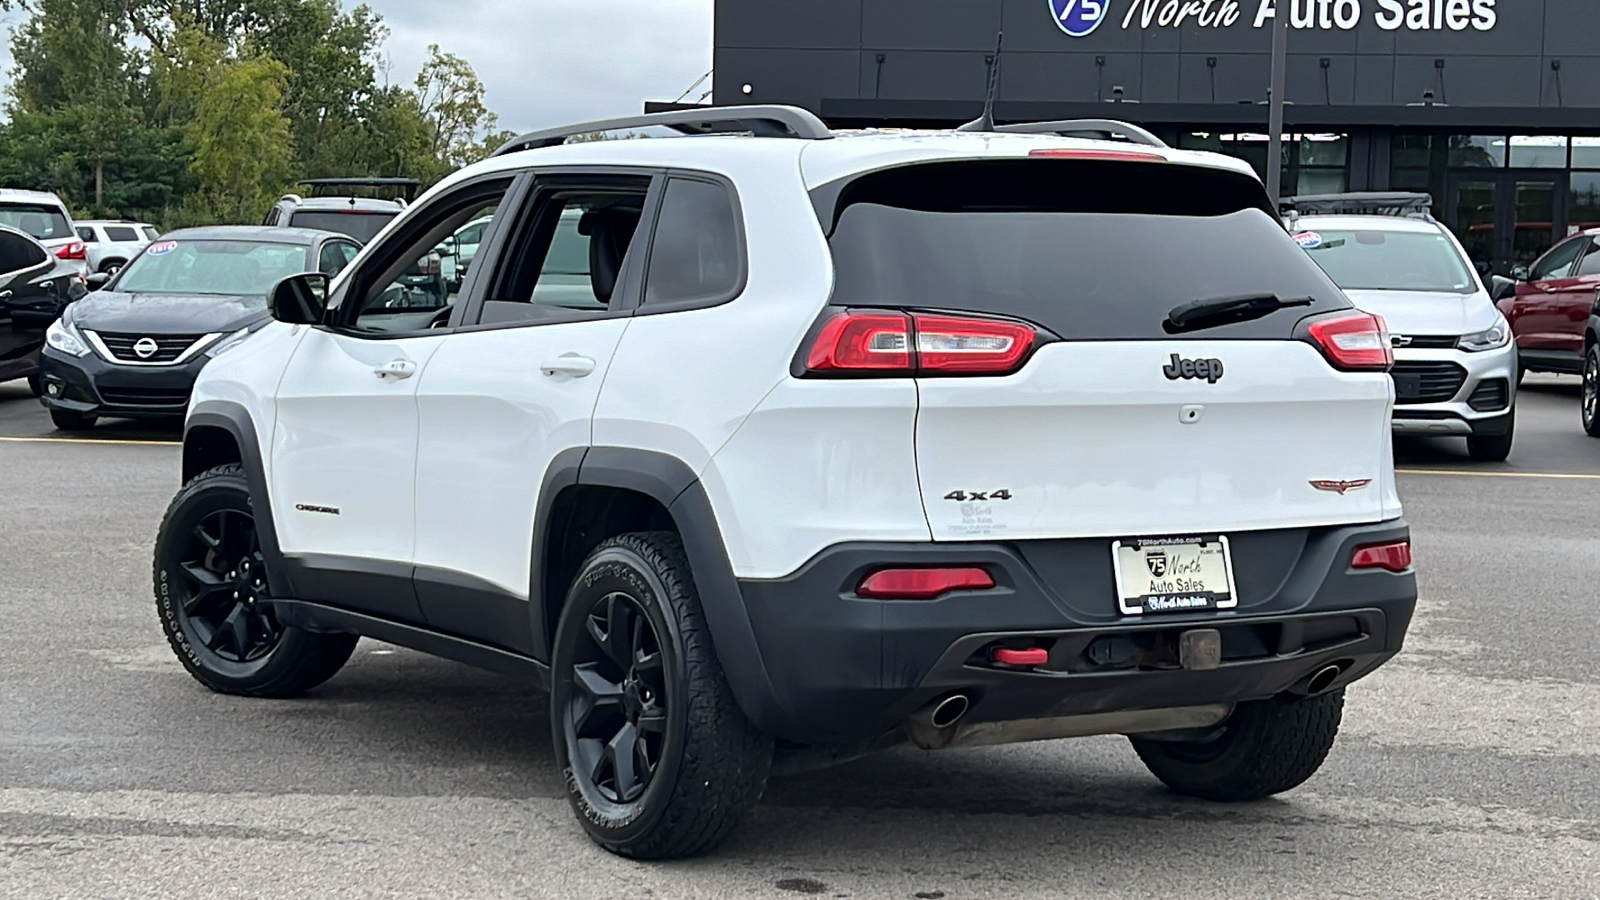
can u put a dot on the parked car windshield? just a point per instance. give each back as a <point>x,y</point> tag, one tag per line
<point>1389,260</point>
<point>363,226</point>
<point>234,268</point>
<point>47,223</point>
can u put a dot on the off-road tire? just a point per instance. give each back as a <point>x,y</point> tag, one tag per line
<point>1492,447</point>
<point>1266,747</point>
<point>712,763</point>
<point>295,662</point>
<point>67,420</point>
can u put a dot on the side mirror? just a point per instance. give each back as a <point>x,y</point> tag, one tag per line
<point>1521,273</point>
<point>1501,287</point>
<point>97,281</point>
<point>300,299</point>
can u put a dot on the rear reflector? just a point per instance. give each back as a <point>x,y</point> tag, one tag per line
<point>869,342</point>
<point>922,584</point>
<point>1357,341</point>
<point>1395,557</point>
<point>1086,153</point>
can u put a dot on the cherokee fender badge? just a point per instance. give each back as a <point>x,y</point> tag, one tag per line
<point>1341,487</point>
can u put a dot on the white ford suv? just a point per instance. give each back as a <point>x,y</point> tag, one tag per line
<point>852,439</point>
<point>1455,369</point>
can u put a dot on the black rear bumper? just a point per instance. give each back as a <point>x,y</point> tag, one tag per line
<point>846,669</point>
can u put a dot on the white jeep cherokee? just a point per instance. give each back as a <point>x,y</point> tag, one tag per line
<point>949,438</point>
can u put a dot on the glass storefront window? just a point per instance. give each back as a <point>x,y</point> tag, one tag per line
<point>1538,152</point>
<point>1312,163</point>
<point>1583,203</point>
<point>1477,152</point>
<point>1324,150</point>
<point>1320,181</point>
<point>1586,153</point>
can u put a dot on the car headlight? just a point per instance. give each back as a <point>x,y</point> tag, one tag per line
<point>1492,339</point>
<point>228,343</point>
<point>63,337</point>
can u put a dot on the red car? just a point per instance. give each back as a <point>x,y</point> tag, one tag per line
<point>1549,303</point>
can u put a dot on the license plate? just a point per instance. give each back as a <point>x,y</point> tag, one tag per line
<point>1173,574</point>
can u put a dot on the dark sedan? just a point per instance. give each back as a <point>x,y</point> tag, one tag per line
<point>35,286</point>
<point>132,348</point>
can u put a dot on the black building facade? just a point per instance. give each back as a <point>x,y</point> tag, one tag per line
<point>1493,106</point>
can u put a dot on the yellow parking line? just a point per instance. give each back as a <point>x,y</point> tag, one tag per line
<point>54,440</point>
<point>1470,474</point>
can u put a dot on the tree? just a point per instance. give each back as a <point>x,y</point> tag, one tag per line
<point>240,138</point>
<point>451,97</point>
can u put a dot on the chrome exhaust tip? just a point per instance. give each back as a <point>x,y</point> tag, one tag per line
<point>1323,678</point>
<point>949,711</point>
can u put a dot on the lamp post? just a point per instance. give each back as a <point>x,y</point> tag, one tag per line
<point>1275,100</point>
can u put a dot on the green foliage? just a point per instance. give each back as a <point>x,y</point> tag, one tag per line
<point>189,111</point>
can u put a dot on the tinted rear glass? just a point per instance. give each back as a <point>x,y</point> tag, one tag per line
<point>1091,250</point>
<point>362,226</point>
<point>121,233</point>
<point>47,223</point>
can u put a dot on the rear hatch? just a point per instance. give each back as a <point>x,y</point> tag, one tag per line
<point>1116,422</point>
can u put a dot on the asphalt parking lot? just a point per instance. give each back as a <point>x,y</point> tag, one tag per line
<point>1469,767</point>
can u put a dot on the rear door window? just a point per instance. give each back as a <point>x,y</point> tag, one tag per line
<point>1091,250</point>
<point>86,234</point>
<point>122,234</point>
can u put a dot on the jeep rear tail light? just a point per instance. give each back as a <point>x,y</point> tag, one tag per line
<point>873,342</point>
<point>1355,342</point>
<point>1396,556</point>
<point>72,250</point>
<point>923,584</point>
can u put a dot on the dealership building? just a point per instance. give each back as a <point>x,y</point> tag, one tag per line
<point>1493,106</point>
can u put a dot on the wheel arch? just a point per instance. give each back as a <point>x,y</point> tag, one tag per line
<point>590,494</point>
<point>219,433</point>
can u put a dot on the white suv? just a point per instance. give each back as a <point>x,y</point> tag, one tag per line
<point>850,439</point>
<point>1455,369</point>
<point>110,245</point>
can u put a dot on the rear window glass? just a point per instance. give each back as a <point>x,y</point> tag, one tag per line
<point>121,233</point>
<point>1091,250</point>
<point>363,226</point>
<point>47,223</point>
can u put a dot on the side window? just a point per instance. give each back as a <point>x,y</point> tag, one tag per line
<point>121,234</point>
<point>18,253</point>
<point>697,254</point>
<point>1558,261</point>
<point>272,216</point>
<point>569,253</point>
<point>402,285</point>
<point>334,257</point>
<point>1591,262</point>
<point>86,234</point>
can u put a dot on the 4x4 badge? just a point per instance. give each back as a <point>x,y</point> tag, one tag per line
<point>1341,487</point>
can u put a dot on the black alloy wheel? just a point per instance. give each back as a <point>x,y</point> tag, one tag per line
<point>225,598</point>
<point>1591,391</point>
<point>617,715</point>
<point>659,760</point>
<point>214,599</point>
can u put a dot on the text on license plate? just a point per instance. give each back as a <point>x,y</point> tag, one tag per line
<point>1173,574</point>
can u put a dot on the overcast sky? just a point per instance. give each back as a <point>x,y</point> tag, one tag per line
<point>547,62</point>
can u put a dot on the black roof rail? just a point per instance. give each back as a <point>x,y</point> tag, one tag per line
<point>408,186</point>
<point>761,121</point>
<point>1112,127</point>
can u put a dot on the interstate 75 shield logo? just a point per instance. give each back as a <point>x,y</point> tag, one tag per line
<point>1079,17</point>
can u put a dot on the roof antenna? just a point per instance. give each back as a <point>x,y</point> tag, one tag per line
<point>985,122</point>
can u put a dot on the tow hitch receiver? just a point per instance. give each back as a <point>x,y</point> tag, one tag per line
<point>1200,648</point>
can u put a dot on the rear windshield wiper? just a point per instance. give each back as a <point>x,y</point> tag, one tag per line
<point>1203,314</point>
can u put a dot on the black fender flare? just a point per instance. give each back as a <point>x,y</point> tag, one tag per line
<point>672,483</point>
<point>235,419</point>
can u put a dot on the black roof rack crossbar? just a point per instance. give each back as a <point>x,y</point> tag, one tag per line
<point>1361,203</point>
<point>1078,127</point>
<point>407,186</point>
<point>761,121</point>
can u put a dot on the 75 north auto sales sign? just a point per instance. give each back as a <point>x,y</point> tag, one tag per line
<point>1079,18</point>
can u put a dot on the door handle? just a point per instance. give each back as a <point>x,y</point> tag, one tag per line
<point>397,369</point>
<point>568,364</point>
